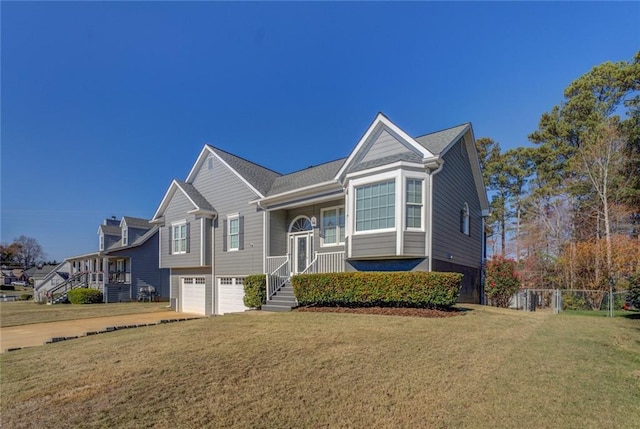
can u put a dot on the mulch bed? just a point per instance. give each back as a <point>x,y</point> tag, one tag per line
<point>387,311</point>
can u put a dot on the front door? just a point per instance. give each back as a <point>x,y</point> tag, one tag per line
<point>300,252</point>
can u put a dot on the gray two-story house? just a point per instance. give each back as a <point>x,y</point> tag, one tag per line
<point>395,203</point>
<point>126,261</point>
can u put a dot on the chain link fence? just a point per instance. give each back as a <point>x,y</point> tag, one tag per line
<point>595,302</point>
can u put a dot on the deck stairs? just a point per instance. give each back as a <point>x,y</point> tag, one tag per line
<point>282,300</point>
<point>60,292</point>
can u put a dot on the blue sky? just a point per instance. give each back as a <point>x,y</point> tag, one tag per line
<point>103,104</point>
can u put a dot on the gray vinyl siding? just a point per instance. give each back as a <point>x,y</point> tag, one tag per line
<point>414,243</point>
<point>373,245</point>
<point>135,233</point>
<point>143,264</point>
<point>175,212</point>
<point>315,210</point>
<point>110,240</point>
<point>452,187</point>
<point>383,146</point>
<point>178,273</point>
<point>278,233</point>
<point>229,195</point>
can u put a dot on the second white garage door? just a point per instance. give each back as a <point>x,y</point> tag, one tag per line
<point>230,294</point>
<point>193,295</point>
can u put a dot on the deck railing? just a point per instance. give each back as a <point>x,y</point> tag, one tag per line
<point>273,262</point>
<point>329,262</point>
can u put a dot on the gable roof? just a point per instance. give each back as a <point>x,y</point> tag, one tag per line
<point>307,177</point>
<point>136,222</point>
<point>138,242</point>
<point>378,123</point>
<point>109,230</point>
<point>200,204</point>
<point>258,176</point>
<point>440,141</point>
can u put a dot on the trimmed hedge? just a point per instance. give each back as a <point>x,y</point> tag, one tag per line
<point>385,289</point>
<point>255,290</point>
<point>84,296</point>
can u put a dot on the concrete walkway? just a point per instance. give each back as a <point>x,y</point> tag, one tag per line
<point>38,334</point>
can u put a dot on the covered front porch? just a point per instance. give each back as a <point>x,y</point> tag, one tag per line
<point>304,239</point>
<point>110,275</point>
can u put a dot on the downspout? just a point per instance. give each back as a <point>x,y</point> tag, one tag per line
<point>430,226</point>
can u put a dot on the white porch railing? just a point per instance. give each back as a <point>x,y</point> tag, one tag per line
<point>329,262</point>
<point>273,262</point>
<point>278,277</point>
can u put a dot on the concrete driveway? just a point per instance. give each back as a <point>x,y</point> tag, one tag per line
<point>38,334</point>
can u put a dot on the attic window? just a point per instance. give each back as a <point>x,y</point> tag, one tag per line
<point>101,247</point>
<point>210,162</point>
<point>125,236</point>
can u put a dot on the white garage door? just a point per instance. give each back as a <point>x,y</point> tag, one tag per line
<point>230,293</point>
<point>193,295</point>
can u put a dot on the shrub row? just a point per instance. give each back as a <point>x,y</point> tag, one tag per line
<point>84,296</point>
<point>255,290</point>
<point>387,289</point>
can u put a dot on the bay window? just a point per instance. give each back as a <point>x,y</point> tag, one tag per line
<point>414,203</point>
<point>375,206</point>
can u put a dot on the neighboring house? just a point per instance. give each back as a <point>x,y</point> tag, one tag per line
<point>49,279</point>
<point>38,274</point>
<point>126,261</point>
<point>7,277</point>
<point>395,203</point>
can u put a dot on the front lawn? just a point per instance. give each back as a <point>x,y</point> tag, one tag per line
<point>487,368</point>
<point>25,312</point>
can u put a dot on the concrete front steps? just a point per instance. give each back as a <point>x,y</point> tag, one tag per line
<point>283,300</point>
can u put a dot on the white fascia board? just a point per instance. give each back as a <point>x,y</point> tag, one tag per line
<point>187,195</point>
<point>203,213</point>
<point>296,193</point>
<point>380,119</point>
<point>331,195</point>
<point>165,200</point>
<point>238,175</point>
<point>204,153</point>
<point>381,168</point>
<point>455,139</point>
<point>86,255</point>
<point>474,160</point>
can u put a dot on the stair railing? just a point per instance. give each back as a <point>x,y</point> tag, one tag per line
<point>277,278</point>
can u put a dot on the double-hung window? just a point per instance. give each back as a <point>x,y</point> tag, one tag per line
<point>234,233</point>
<point>333,226</point>
<point>125,236</point>
<point>414,203</point>
<point>375,206</point>
<point>101,247</point>
<point>179,242</point>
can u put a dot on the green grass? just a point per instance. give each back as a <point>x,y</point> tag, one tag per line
<point>25,312</point>
<point>487,368</point>
<point>603,313</point>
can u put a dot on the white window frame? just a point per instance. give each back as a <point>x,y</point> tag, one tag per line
<point>125,236</point>
<point>101,244</point>
<point>338,227</point>
<point>182,240</point>
<point>407,203</point>
<point>395,206</point>
<point>371,180</point>
<point>230,218</point>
